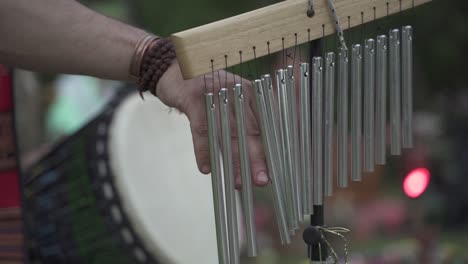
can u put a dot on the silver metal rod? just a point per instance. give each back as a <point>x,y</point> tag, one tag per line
<point>274,130</point>
<point>288,186</point>
<point>343,112</point>
<point>395,91</point>
<point>217,181</point>
<point>407,86</point>
<point>317,127</point>
<point>369,104</point>
<point>291,86</point>
<point>329,121</point>
<point>273,120</point>
<point>306,147</point>
<point>274,175</point>
<point>247,195</point>
<point>356,112</point>
<point>381,99</point>
<point>231,208</point>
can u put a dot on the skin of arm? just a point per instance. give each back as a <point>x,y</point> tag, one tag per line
<point>63,36</point>
<point>66,37</point>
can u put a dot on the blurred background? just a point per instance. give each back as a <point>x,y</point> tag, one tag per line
<point>393,218</point>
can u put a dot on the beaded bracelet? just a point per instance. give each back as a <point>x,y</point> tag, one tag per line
<point>152,57</point>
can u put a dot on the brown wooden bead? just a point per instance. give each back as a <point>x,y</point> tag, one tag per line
<point>156,61</point>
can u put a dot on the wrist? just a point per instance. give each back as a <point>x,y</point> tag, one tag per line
<point>170,88</point>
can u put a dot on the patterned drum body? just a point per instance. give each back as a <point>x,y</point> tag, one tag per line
<point>124,189</point>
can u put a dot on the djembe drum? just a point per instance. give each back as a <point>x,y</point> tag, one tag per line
<point>123,189</point>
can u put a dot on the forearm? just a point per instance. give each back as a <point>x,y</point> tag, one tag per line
<point>64,36</point>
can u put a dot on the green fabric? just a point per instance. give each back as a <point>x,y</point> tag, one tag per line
<point>167,17</point>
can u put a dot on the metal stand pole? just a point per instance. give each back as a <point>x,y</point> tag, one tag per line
<point>317,249</point>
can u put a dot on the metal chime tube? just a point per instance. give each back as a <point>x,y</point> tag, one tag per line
<point>306,147</point>
<point>275,133</point>
<point>247,195</point>
<point>329,121</point>
<point>231,209</point>
<point>395,91</point>
<point>274,175</point>
<point>356,112</point>
<point>317,142</point>
<point>286,145</point>
<point>407,86</point>
<point>291,86</point>
<point>273,120</point>
<point>217,181</point>
<point>381,99</point>
<point>369,104</point>
<point>342,126</point>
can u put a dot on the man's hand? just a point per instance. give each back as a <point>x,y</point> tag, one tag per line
<point>188,97</point>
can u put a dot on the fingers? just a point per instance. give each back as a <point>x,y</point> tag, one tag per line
<point>199,129</point>
<point>257,161</point>
<point>201,146</point>
<point>257,155</point>
<point>258,167</point>
<point>236,163</point>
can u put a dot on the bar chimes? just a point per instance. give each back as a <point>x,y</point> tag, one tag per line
<point>299,144</point>
<point>297,106</point>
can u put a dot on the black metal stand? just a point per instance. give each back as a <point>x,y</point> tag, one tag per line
<point>317,249</point>
<point>312,236</point>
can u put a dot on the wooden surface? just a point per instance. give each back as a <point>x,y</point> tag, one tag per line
<point>197,47</point>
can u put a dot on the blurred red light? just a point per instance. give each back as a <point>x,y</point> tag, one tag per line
<point>416,182</point>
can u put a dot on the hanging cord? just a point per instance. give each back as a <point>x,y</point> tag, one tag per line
<point>323,40</point>
<point>295,48</point>
<point>240,66</point>
<point>363,27</point>
<point>284,54</point>
<point>219,79</point>
<point>400,15</point>
<point>270,67</point>
<point>249,70</point>
<point>226,72</point>
<point>339,30</point>
<point>401,9</point>
<point>255,61</point>
<point>377,25</point>
<point>350,31</point>
<point>310,46</point>
<point>300,53</point>
<point>386,17</point>
<point>212,75</point>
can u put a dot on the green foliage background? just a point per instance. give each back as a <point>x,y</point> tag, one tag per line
<point>166,17</point>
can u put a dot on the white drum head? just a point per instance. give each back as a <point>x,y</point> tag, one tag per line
<point>167,199</point>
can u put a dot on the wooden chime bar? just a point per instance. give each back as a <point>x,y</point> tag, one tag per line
<point>270,29</point>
